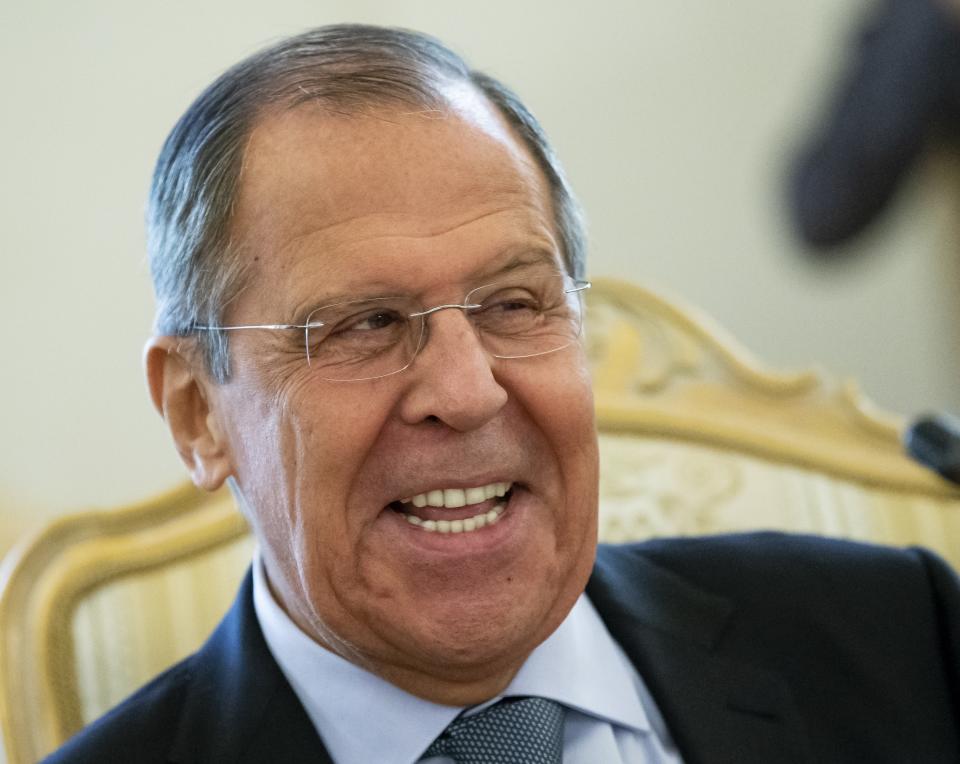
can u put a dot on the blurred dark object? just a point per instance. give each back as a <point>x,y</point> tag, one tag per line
<point>901,87</point>
<point>934,441</point>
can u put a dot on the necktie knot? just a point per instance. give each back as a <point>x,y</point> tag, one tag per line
<point>512,731</point>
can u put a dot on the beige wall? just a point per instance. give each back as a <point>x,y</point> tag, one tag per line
<point>672,118</point>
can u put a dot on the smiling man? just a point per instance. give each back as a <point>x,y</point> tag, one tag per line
<point>369,273</point>
<point>357,463</point>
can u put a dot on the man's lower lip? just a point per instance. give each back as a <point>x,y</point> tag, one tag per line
<point>464,525</point>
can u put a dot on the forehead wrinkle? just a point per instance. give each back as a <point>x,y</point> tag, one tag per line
<point>440,229</point>
<point>538,235</point>
<point>539,231</point>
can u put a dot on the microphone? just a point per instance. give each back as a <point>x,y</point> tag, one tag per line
<point>934,441</point>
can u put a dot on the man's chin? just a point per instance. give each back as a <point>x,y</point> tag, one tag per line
<point>465,649</point>
<point>462,658</point>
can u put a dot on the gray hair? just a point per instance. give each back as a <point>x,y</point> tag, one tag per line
<point>194,264</point>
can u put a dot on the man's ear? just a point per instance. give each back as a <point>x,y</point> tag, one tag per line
<point>180,393</point>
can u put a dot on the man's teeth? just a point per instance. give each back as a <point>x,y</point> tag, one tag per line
<point>453,498</point>
<point>459,526</point>
<point>458,497</point>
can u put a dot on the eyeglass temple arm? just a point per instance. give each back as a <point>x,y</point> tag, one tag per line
<point>208,328</point>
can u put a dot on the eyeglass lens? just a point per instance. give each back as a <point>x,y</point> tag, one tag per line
<point>366,339</point>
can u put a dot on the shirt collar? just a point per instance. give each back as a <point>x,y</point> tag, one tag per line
<point>578,665</point>
<point>581,666</point>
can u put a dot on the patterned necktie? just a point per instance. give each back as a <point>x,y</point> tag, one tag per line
<point>513,731</point>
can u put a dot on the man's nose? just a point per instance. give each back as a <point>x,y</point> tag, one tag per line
<point>451,378</point>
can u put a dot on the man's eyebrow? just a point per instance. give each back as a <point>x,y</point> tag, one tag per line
<point>311,302</point>
<point>526,259</point>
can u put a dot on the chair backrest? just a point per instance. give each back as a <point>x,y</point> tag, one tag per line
<point>698,437</point>
<point>695,437</point>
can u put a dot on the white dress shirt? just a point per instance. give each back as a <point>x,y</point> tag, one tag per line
<point>610,715</point>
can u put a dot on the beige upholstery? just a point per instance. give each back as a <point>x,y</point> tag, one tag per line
<point>695,438</point>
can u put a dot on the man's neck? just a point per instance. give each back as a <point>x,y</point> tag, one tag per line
<point>463,684</point>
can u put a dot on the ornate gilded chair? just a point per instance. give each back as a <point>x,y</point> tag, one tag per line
<point>695,438</point>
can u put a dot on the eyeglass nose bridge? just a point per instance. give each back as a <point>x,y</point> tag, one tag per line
<point>429,311</point>
<point>424,332</point>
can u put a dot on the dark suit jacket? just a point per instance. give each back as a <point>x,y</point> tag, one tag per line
<point>757,648</point>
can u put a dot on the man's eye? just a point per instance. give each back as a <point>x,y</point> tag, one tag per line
<point>380,319</point>
<point>349,335</point>
<point>365,330</point>
<point>509,300</point>
<point>510,305</point>
<point>508,313</point>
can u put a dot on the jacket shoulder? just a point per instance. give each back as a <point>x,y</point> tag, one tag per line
<point>836,626</point>
<point>774,560</point>
<point>790,584</point>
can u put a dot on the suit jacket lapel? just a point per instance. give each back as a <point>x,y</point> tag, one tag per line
<point>239,706</point>
<point>718,708</point>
